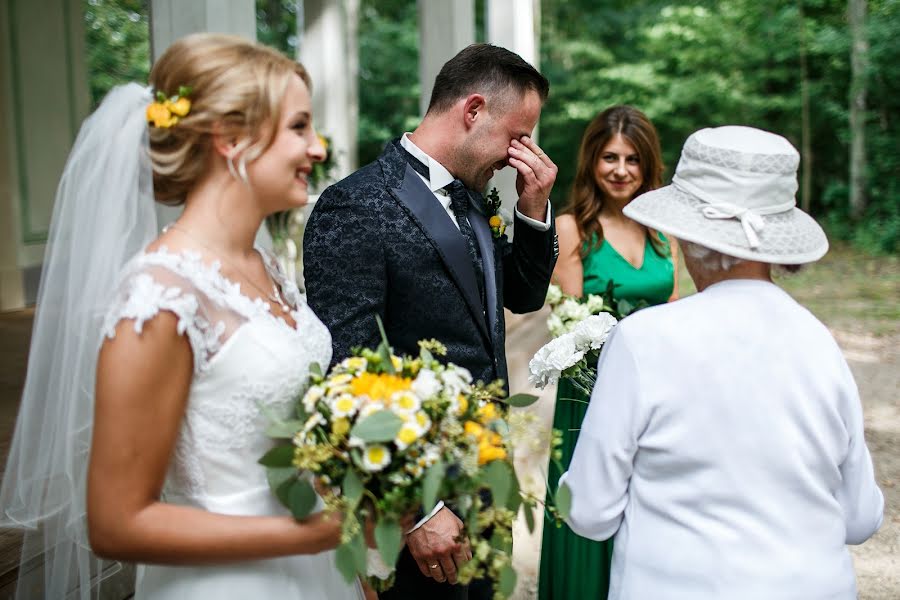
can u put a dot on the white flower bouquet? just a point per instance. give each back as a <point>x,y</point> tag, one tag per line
<point>572,355</point>
<point>567,311</point>
<point>386,436</point>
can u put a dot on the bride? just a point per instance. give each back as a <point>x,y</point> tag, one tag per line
<point>146,450</point>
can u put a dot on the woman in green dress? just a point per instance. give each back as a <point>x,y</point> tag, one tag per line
<point>619,159</point>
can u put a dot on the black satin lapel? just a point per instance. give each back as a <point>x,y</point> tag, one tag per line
<point>445,237</point>
<point>482,230</point>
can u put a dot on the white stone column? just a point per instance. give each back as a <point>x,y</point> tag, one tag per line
<point>329,50</point>
<point>445,28</point>
<point>174,19</point>
<point>43,98</point>
<point>514,25</point>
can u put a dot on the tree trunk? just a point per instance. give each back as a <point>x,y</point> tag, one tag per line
<point>806,155</point>
<point>859,49</point>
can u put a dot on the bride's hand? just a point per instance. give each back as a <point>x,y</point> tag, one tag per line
<point>324,531</point>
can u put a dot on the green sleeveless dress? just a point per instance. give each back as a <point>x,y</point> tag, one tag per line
<point>573,566</point>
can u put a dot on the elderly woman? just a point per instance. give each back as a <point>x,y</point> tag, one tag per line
<point>727,456</point>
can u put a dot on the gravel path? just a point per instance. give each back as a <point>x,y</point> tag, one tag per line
<point>875,362</point>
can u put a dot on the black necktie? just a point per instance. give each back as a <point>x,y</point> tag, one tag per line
<point>459,204</point>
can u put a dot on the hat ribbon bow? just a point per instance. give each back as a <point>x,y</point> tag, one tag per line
<point>750,220</point>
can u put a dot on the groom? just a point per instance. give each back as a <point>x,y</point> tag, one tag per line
<point>407,238</point>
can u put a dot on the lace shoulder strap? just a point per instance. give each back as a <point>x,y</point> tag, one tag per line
<point>289,289</point>
<point>161,281</point>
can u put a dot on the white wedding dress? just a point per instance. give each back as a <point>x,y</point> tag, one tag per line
<point>247,362</point>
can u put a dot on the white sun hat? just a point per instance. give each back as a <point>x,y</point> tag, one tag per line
<point>733,191</point>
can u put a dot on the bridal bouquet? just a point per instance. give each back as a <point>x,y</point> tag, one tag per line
<point>572,355</point>
<point>385,436</point>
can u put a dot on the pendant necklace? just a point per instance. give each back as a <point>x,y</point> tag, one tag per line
<point>275,295</point>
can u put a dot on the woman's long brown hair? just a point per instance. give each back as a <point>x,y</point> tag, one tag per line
<point>586,199</point>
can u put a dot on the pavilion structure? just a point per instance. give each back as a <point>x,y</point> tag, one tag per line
<point>44,92</point>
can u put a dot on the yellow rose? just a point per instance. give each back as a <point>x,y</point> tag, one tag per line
<point>488,453</point>
<point>496,221</point>
<point>159,115</point>
<point>474,429</point>
<point>463,404</point>
<point>180,107</point>
<point>487,413</point>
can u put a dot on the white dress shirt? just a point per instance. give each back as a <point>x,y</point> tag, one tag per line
<point>723,446</point>
<point>439,177</point>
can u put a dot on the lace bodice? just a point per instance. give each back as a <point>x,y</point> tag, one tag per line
<point>248,364</point>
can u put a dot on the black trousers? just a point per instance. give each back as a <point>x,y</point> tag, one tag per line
<point>410,584</point>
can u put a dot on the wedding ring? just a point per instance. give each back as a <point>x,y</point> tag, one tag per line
<point>434,566</point>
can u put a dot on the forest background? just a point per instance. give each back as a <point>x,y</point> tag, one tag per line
<point>823,73</point>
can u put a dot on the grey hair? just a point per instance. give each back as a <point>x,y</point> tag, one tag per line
<point>711,261</point>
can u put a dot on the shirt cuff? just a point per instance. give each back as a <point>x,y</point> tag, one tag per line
<point>425,519</point>
<point>545,226</point>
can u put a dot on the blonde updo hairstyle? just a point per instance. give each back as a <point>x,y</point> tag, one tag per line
<point>237,87</point>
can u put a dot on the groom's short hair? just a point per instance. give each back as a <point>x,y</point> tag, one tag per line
<point>488,70</point>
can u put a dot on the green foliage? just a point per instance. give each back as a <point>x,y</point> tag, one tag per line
<point>301,498</point>
<point>432,483</point>
<point>521,400</point>
<point>388,74</point>
<point>389,539</point>
<point>380,426</point>
<point>117,37</point>
<point>686,63</point>
<point>693,64</point>
<point>498,477</point>
<point>276,25</point>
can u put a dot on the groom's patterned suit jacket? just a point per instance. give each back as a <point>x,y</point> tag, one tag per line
<point>378,242</point>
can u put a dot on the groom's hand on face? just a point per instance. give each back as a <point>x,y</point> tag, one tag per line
<point>535,178</point>
<point>436,548</point>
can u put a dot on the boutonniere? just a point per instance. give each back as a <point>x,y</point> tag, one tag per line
<point>492,208</point>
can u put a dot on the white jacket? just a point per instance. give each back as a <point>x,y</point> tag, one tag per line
<point>723,446</point>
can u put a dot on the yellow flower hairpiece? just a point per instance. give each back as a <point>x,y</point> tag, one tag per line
<point>166,111</point>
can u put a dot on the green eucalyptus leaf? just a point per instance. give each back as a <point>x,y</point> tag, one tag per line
<point>528,511</point>
<point>284,429</point>
<point>279,456</point>
<point>277,476</point>
<point>380,426</point>
<point>389,538</point>
<point>521,400</point>
<point>564,501</point>
<point>301,498</point>
<point>345,562</point>
<point>498,476</point>
<point>506,582</point>
<point>431,485</point>
<point>514,500</point>
<point>384,349</point>
<point>360,553</point>
<point>501,543</point>
<point>283,492</point>
<point>352,488</point>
